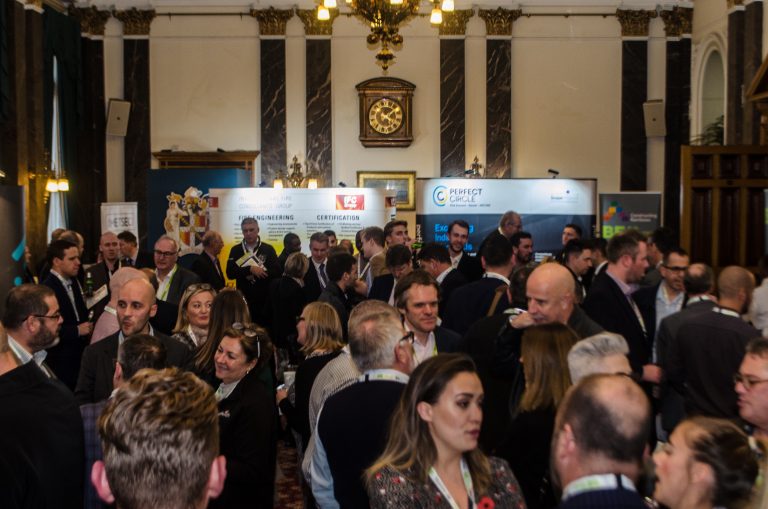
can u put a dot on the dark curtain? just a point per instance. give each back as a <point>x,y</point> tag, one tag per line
<point>62,40</point>
<point>5,75</point>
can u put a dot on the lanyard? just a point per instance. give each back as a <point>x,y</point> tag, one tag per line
<point>255,247</point>
<point>726,312</point>
<point>466,476</point>
<point>384,374</point>
<point>597,483</point>
<point>164,294</point>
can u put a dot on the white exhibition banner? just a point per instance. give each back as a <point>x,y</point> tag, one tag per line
<point>545,205</point>
<point>120,216</point>
<point>345,210</point>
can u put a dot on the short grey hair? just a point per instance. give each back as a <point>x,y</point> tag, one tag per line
<point>168,238</point>
<point>584,356</point>
<point>507,217</point>
<point>374,331</point>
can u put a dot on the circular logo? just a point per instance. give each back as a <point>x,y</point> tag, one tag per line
<point>440,196</point>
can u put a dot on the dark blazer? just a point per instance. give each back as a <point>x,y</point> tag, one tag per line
<point>40,418</point>
<point>286,302</point>
<point>64,358</point>
<point>471,302</point>
<point>312,286</point>
<point>205,268</point>
<point>248,439</point>
<point>645,298</point>
<point>98,366</point>
<point>100,275</point>
<point>447,341</point>
<point>607,305</point>
<point>93,453</point>
<point>453,280</point>
<point>471,266</point>
<point>144,260</point>
<point>382,286</point>
<point>619,498</point>
<point>338,299</point>
<point>168,309</point>
<point>255,290</point>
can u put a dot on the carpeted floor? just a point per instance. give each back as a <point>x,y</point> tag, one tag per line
<point>287,488</point>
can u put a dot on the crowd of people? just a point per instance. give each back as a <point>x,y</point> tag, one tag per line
<point>615,373</point>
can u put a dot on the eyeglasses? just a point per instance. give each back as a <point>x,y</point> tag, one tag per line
<point>165,254</point>
<point>249,332</point>
<point>199,286</point>
<point>408,337</point>
<point>54,316</point>
<point>675,269</point>
<point>748,383</point>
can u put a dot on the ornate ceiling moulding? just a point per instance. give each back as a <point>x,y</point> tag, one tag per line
<point>686,19</point>
<point>634,23</point>
<point>673,25</point>
<point>499,21</point>
<point>314,26</point>
<point>36,5</point>
<point>135,21</point>
<point>272,21</point>
<point>92,21</point>
<point>734,3</point>
<point>455,22</point>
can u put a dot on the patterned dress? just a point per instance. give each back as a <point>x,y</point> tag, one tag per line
<point>393,489</point>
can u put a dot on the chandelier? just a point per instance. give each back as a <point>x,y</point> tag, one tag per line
<point>296,179</point>
<point>385,18</point>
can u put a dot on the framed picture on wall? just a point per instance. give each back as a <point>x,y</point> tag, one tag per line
<point>404,182</point>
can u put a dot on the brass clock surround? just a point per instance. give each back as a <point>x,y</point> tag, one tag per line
<point>385,112</point>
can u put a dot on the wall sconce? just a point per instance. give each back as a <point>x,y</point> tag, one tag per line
<point>278,183</point>
<point>312,183</point>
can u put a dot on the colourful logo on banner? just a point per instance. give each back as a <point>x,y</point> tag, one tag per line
<point>440,196</point>
<point>614,209</point>
<point>350,202</point>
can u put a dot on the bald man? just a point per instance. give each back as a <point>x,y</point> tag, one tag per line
<point>706,352</point>
<point>551,298</point>
<point>136,304</point>
<point>600,434</point>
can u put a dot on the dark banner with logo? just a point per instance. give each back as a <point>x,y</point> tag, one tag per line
<point>620,212</point>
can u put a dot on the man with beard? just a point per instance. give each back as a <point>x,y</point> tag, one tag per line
<point>32,321</point>
<point>135,306</point>
<point>458,236</point>
<point>522,247</point>
<point>707,351</point>
<point>41,434</point>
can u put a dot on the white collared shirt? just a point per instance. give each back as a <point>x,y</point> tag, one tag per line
<point>68,284</point>
<point>597,483</point>
<point>164,284</point>
<point>317,269</point>
<point>121,336</point>
<point>25,357</point>
<point>496,275</point>
<point>441,277</point>
<point>456,260</point>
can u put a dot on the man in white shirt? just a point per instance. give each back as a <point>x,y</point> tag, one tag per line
<point>316,278</point>
<point>458,238</point>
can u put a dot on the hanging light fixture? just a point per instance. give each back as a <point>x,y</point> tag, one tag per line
<point>63,184</point>
<point>385,18</point>
<point>52,185</point>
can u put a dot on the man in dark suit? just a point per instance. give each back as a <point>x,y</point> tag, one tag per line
<point>458,237</point>
<point>486,296</point>
<point>598,444</point>
<point>135,306</point>
<point>577,258</point>
<point>416,298</point>
<point>64,358</point>
<point>434,258</point>
<point>699,283</point>
<point>172,280</point>
<point>131,255</point>
<point>610,304</point>
<point>352,428</point>
<point>316,278</point>
<point>206,265</point>
<point>253,264</point>
<point>342,274</point>
<point>509,224</point>
<point>100,273</point>
<point>41,435</point>
<point>399,263</point>
<point>136,352</point>
<point>291,244</point>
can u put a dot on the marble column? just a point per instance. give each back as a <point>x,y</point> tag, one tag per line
<point>452,109</point>
<point>677,27</point>
<point>319,129</point>
<point>13,127</point>
<point>90,176</point>
<point>753,51</point>
<point>498,23</point>
<point>634,92</point>
<point>274,156</point>
<point>37,158</point>
<point>734,114</point>
<point>138,148</point>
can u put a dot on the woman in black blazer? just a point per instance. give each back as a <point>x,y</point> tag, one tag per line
<point>247,419</point>
<point>286,300</point>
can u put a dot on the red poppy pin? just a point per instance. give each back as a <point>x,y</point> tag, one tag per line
<point>486,503</point>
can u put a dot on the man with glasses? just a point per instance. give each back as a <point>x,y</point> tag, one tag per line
<point>136,304</point>
<point>708,350</point>
<point>172,281</point>
<point>32,321</point>
<point>752,388</point>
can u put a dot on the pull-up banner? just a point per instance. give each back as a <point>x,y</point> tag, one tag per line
<point>545,205</point>
<point>301,211</point>
<point>620,212</point>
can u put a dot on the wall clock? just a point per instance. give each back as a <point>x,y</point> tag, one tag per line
<point>385,112</point>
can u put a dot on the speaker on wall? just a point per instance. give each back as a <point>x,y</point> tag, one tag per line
<point>117,117</point>
<point>655,121</point>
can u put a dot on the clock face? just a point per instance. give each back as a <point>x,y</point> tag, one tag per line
<point>385,116</point>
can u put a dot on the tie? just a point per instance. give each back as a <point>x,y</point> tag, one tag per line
<point>127,262</point>
<point>71,295</point>
<point>323,277</point>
